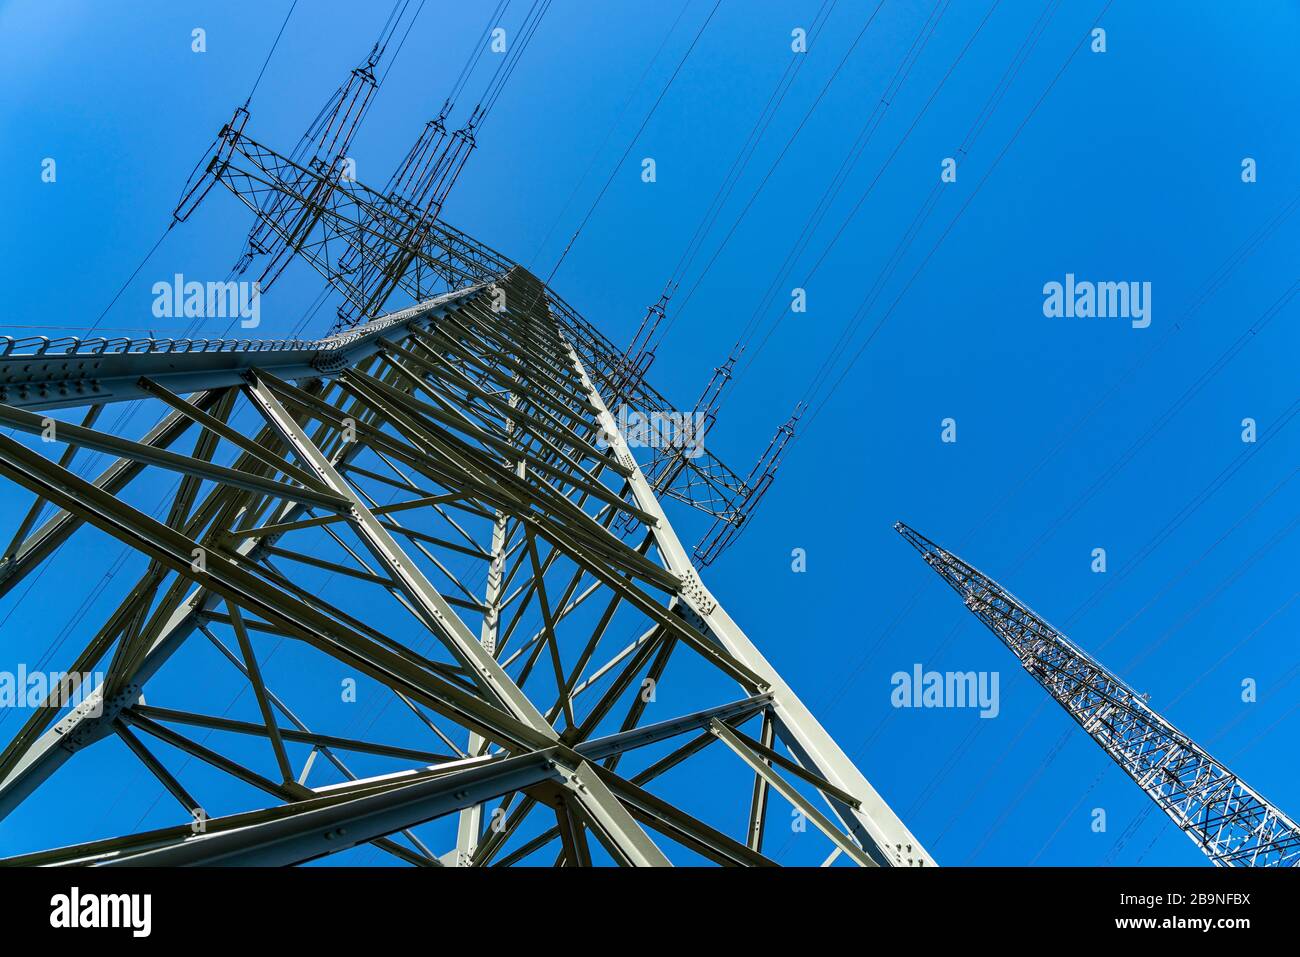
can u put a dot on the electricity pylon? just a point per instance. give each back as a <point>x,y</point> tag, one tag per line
<point>1228,820</point>
<point>339,226</point>
<point>426,503</point>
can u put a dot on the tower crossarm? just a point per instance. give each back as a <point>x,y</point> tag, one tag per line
<point>1227,819</point>
<point>41,373</point>
<point>374,248</point>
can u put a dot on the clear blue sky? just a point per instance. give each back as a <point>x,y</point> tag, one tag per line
<point>1129,169</point>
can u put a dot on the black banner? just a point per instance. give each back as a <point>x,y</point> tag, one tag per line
<point>342,905</point>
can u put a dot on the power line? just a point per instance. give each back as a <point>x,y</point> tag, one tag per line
<point>1162,536</point>
<point>1070,813</point>
<point>1234,649</point>
<point>965,745</point>
<point>1197,501</point>
<point>1159,537</point>
<point>476,52</point>
<point>270,53</point>
<point>771,169</point>
<point>947,231</point>
<point>1035,31</point>
<point>401,43</point>
<point>612,127</point>
<point>1227,269</point>
<point>135,272</point>
<point>750,145</point>
<point>1232,722</point>
<point>1179,404</point>
<point>645,122</point>
<point>886,272</point>
<point>1211,595</point>
<point>506,69</point>
<point>810,227</point>
<point>1220,277</point>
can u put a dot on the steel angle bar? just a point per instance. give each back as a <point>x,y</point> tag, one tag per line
<point>781,786</point>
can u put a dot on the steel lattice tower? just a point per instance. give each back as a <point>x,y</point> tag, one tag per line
<point>474,430</point>
<point>1228,820</point>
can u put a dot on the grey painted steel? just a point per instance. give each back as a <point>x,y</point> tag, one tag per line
<point>70,373</point>
<point>879,831</point>
<point>312,832</point>
<point>425,392</point>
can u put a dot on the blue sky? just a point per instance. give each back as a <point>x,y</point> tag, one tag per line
<point>1129,169</point>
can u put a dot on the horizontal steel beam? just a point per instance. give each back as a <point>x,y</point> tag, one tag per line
<point>80,376</point>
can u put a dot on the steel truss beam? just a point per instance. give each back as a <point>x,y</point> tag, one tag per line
<point>488,597</point>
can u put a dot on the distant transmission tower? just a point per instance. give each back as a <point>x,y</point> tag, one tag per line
<point>500,568</point>
<point>1226,819</point>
